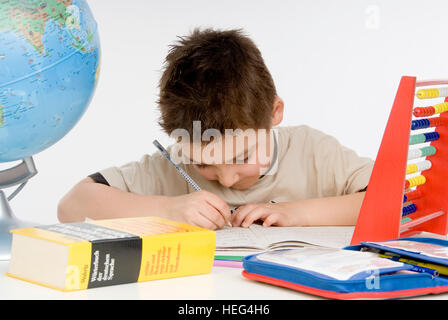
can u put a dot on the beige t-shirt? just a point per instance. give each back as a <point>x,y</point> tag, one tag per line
<point>310,164</point>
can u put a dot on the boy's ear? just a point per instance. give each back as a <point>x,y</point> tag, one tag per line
<point>277,111</point>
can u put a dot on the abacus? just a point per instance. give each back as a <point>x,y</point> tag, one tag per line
<point>408,188</point>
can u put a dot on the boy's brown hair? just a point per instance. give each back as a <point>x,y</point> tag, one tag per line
<point>218,78</point>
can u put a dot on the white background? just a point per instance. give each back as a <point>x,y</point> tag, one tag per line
<point>336,64</point>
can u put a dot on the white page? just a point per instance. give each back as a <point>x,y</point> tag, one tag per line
<point>334,237</point>
<point>237,237</point>
<point>257,236</point>
<point>335,263</point>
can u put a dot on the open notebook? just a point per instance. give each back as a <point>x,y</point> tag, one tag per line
<point>238,241</point>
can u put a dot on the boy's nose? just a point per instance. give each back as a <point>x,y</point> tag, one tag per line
<point>228,180</point>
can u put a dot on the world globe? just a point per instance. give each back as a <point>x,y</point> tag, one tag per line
<point>49,66</point>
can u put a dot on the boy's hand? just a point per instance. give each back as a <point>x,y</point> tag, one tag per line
<point>278,214</point>
<point>200,208</point>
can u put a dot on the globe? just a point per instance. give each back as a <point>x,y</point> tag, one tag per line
<point>49,66</point>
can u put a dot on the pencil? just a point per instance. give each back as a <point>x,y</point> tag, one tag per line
<point>182,172</point>
<point>439,268</point>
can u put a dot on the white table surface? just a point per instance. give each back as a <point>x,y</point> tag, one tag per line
<point>221,284</point>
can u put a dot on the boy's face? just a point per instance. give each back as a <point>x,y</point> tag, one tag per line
<point>238,158</point>
<point>235,161</point>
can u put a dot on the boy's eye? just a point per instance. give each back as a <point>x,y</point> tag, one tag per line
<point>203,166</point>
<point>244,160</point>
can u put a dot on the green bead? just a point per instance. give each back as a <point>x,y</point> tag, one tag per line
<point>417,138</point>
<point>403,220</point>
<point>428,151</point>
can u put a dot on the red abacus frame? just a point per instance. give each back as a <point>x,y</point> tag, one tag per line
<point>381,211</point>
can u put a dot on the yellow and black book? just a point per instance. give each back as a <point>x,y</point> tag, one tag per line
<point>84,255</point>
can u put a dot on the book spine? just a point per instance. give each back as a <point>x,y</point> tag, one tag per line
<point>102,257</point>
<point>78,267</point>
<point>114,261</point>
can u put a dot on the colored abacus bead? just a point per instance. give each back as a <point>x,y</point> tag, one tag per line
<point>424,137</point>
<point>424,111</point>
<point>415,181</point>
<point>422,152</point>
<point>417,138</point>
<point>420,166</point>
<point>431,136</point>
<point>426,123</point>
<point>420,124</point>
<point>428,151</point>
<point>413,195</point>
<point>435,122</point>
<point>431,110</point>
<point>414,154</point>
<point>427,93</point>
<point>411,208</point>
<point>441,107</point>
<point>404,220</point>
<point>411,168</point>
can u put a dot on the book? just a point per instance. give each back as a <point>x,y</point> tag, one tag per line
<point>97,253</point>
<point>237,242</point>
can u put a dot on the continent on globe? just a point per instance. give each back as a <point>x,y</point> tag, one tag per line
<point>49,65</point>
<point>28,19</point>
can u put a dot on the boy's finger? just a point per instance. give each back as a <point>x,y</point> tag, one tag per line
<point>219,205</point>
<point>258,213</point>
<point>270,220</point>
<point>205,222</point>
<point>239,215</point>
<point>213,215</point>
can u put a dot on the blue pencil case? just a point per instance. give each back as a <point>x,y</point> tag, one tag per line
<point>365,271</point>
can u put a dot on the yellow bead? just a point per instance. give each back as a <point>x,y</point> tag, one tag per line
<point>427,93</point>
<point>411,168</point>
<point>441,107</point>
<point>416,181</point>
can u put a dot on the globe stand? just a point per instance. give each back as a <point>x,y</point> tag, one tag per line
<point>18,175</point>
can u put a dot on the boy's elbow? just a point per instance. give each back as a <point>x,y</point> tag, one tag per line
<point>68,209</point>
<point>62,211</point>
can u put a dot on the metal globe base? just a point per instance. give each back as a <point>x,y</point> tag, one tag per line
<point>18,175</point>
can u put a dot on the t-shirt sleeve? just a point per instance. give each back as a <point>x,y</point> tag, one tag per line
<point>340,169</point>
<point>152,175</point>
<point>137,176</point>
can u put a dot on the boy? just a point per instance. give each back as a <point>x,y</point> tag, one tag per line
<point>215,86</point>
